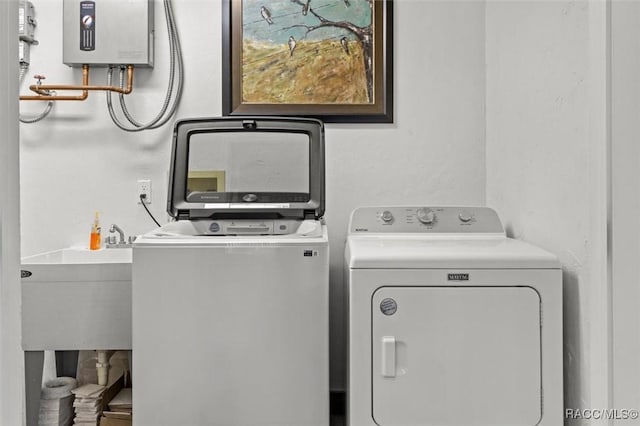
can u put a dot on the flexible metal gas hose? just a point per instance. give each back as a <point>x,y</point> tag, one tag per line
<point>43,114</point>
<point>174,89</point>
<point>175,55</point>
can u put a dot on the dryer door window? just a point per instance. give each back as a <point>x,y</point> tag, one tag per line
<point>456,356</point>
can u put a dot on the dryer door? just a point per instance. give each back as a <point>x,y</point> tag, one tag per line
<point>456,356</point>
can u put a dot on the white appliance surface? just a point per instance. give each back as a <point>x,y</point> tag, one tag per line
<point>231,330</point>
<point>399,251</point>
<point>451,323</point>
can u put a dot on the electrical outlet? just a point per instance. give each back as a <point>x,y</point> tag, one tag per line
<point>144,188</point>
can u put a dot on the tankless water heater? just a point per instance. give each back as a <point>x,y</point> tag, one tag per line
<point>102,33</point>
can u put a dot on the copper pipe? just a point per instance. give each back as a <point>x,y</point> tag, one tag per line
<point>55,98</point>
<point>43,90</point>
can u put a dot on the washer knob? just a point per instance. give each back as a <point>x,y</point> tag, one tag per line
<point>465,216</point>
<point>386,216</point>
<point>426,216</point>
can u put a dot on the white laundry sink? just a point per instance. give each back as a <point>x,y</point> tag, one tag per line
<point>75,298</point>
<point>80,255</point>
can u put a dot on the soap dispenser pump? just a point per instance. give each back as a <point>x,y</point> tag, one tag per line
<point>95,241</point>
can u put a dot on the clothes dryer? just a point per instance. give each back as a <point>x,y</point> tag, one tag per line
<point>451,323</point>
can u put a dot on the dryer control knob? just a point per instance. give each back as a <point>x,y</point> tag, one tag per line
<point>386,216</point>
<point>426,216</point>
<point>465,216</point>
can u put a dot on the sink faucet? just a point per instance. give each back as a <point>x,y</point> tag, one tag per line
<point>115,228</point>
<point>111,239</point>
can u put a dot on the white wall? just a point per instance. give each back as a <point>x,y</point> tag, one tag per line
<point>11,364</point>
<point>77,162</point>
<point>547,162</point>
<point>625,68</point>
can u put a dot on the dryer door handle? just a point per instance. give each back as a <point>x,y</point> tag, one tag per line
<point>388,356</point>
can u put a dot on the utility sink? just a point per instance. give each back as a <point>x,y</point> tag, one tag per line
<point>80,255</point>
<point>76,298</point>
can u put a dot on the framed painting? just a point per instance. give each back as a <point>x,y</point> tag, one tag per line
<point>329,59</point>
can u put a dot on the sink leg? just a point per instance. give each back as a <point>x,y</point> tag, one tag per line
<point>33,364</point>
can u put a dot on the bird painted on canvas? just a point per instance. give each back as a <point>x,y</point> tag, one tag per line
<point>305,8</point>
<point>345,44</point>
<point>292,45</point>
<point>266,15</point>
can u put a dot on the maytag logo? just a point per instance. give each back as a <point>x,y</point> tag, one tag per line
<point>458,277</point>
<point>362,230</point>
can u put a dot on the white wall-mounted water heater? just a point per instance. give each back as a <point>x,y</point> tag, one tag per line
<point>103,33</point>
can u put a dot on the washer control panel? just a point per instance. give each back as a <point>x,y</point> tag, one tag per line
<point>425,219</point>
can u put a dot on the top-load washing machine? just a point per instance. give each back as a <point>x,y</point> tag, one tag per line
<point>230,301</point>
<point>451,323</point>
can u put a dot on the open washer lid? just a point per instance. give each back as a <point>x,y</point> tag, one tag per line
<point>247,167</point>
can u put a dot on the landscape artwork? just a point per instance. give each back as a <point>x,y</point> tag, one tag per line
<point>314,57</point>
<point>307,51</point>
